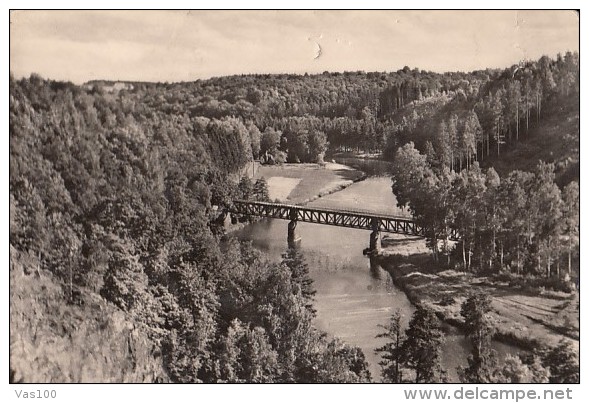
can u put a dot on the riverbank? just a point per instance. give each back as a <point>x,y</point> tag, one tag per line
<point>526,318</point>
<point>354,298</point>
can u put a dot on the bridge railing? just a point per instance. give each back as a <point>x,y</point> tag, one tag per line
<point>239,205</point>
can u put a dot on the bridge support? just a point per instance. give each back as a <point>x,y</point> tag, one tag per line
<point>375,244</point>
<point>293,238</point>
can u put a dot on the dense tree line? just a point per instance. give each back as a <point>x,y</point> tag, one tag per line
<point>465,116</point>
<point>523,223</point>
<point>118,194</point>
<point>489,113</point>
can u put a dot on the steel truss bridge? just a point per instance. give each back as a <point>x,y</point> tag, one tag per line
<point>339,218</point>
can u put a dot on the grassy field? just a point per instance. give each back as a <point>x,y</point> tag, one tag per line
<point>524,317</point>
<point>372,194</point>
<point>299,183</point>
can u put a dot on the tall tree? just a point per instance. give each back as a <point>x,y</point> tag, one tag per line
<point>422,346</point>
<point>393,355</point>
<point>528,99</point>
<point>482,361</point>
<point>269,141</point>
<point>468,205</point>
<point>469,134</point>
<point>513,198</point>
<point>513,102</point>
<point>453,139</point>
<point>416,184</point>
<point>317,146</point>
<point>498,119</point>
<point>299,269</point>
<point>443,145</point>
<point>548,203</point>
<point>571,211</point>
<point>493,218</point>
<point>245,188</point>
<point>430,153</point>
<point>260,190</point>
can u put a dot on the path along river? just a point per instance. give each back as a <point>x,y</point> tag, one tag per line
<point>352,298</point>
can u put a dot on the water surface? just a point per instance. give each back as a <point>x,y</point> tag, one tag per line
<point>352,297</point>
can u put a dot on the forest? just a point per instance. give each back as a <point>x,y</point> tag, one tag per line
<point>522,223</point>
<point>525,223</point>
<point>118,190</point>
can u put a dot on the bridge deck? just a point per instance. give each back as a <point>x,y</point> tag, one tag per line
<point>341,218</point>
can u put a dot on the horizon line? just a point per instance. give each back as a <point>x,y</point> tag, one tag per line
<point>301,74</point>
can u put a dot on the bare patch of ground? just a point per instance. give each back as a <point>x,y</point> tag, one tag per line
<point>364,197</point>
<point>314,180</point>
<point>280,187</point>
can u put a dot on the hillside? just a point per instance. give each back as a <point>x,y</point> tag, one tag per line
<point>554,140</point>
<point>89,341</point>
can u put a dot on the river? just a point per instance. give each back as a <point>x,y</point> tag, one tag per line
<point>352,298</point>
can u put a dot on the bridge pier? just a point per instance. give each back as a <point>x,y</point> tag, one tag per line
<point>375,244</point>
<point>292,238</point>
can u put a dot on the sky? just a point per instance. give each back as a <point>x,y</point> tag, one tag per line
<point>171,46</point>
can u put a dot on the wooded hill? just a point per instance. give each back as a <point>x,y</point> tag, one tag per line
<point>115,191</point>
<point>465,116</point>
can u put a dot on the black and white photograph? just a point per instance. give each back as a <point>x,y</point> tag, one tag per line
<point>295,197</point>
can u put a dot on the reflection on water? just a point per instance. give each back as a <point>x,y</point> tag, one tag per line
<point>353,297</point>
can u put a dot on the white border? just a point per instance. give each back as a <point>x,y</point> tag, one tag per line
<point>257,393</point>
